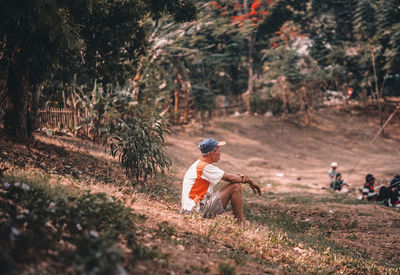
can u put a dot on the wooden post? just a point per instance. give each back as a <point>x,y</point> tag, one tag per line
<point>176,107</point>
<point>186,113</point>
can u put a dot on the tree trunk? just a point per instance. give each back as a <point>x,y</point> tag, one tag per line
<point>185,87</point>
<point>74,106</point>
<point>34,108</point>
<point>176,107</point>
<point>16,113</point>
<point>378,92</point>
<point>251,48</point>
<point>250,83</point>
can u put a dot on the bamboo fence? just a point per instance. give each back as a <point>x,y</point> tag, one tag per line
<point>56,118</point>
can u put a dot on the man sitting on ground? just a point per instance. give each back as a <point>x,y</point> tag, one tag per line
<point>390,196</point>
<point>339,183</point>
<point>368,192</point>
<point>201,177</point>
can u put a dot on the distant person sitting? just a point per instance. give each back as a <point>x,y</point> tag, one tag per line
<point>368,192</point>
<point>198,185</point>
<point>339,183</point>
<point>332,174</point>
<point>390,196</point>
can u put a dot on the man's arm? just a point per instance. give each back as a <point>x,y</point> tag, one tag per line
<point>236,178</point>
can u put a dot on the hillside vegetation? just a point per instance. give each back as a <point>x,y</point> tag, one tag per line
<point>297,226</point>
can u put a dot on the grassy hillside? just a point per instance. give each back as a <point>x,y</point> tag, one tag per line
<point>297,226</point>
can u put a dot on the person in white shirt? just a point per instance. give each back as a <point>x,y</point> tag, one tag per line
<point>198,185</point>
<point>332,174</point>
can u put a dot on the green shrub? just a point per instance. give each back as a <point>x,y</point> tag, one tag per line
<point>82,231</point>
<point>139,146</point>
<point>135,132</point>
<point>262,103</point>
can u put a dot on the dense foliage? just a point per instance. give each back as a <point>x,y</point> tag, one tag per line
<point>83,231</point>
<point>231,48</point>
<point>286,54</point>
<point>53,40</point>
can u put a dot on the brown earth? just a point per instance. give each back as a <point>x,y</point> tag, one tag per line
<point>291,163</point>
<point>264,147</point>
<point>288,158</point>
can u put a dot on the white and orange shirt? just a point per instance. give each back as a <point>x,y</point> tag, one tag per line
<point>199,179</point>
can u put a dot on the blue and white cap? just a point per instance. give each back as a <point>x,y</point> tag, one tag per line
<point>207,145</point>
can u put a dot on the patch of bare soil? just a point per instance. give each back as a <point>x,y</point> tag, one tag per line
<point>274,148</point>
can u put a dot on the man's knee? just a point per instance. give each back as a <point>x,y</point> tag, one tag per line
<point>237,187</point>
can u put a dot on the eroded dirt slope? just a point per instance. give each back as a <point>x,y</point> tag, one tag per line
<point>270,148</point>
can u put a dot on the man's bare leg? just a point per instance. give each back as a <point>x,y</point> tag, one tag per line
<point>233,192</point>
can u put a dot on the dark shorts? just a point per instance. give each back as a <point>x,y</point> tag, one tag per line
<point>210,206</point>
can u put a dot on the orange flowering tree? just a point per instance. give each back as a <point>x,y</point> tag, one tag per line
<point>249,11</point>
<point>246,16</point>
<point>218,54</point>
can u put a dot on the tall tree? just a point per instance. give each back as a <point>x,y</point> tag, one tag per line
<point>41,36</point>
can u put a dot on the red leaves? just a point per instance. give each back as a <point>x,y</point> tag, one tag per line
<point>237,18</point>
<point>257,12</point>
<point>215,3</point>
<point>255,16</point>
<point>255,5</point>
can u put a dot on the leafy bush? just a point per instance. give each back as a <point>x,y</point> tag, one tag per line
<point>139,146</point>
<point>261,104</point>
<point>82,231</point>
<point>135,132</point>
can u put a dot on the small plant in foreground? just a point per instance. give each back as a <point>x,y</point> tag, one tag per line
<point>226,269</point>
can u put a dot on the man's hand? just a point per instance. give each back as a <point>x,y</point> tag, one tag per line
<point>240,178</point>
<point>254,186</point>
